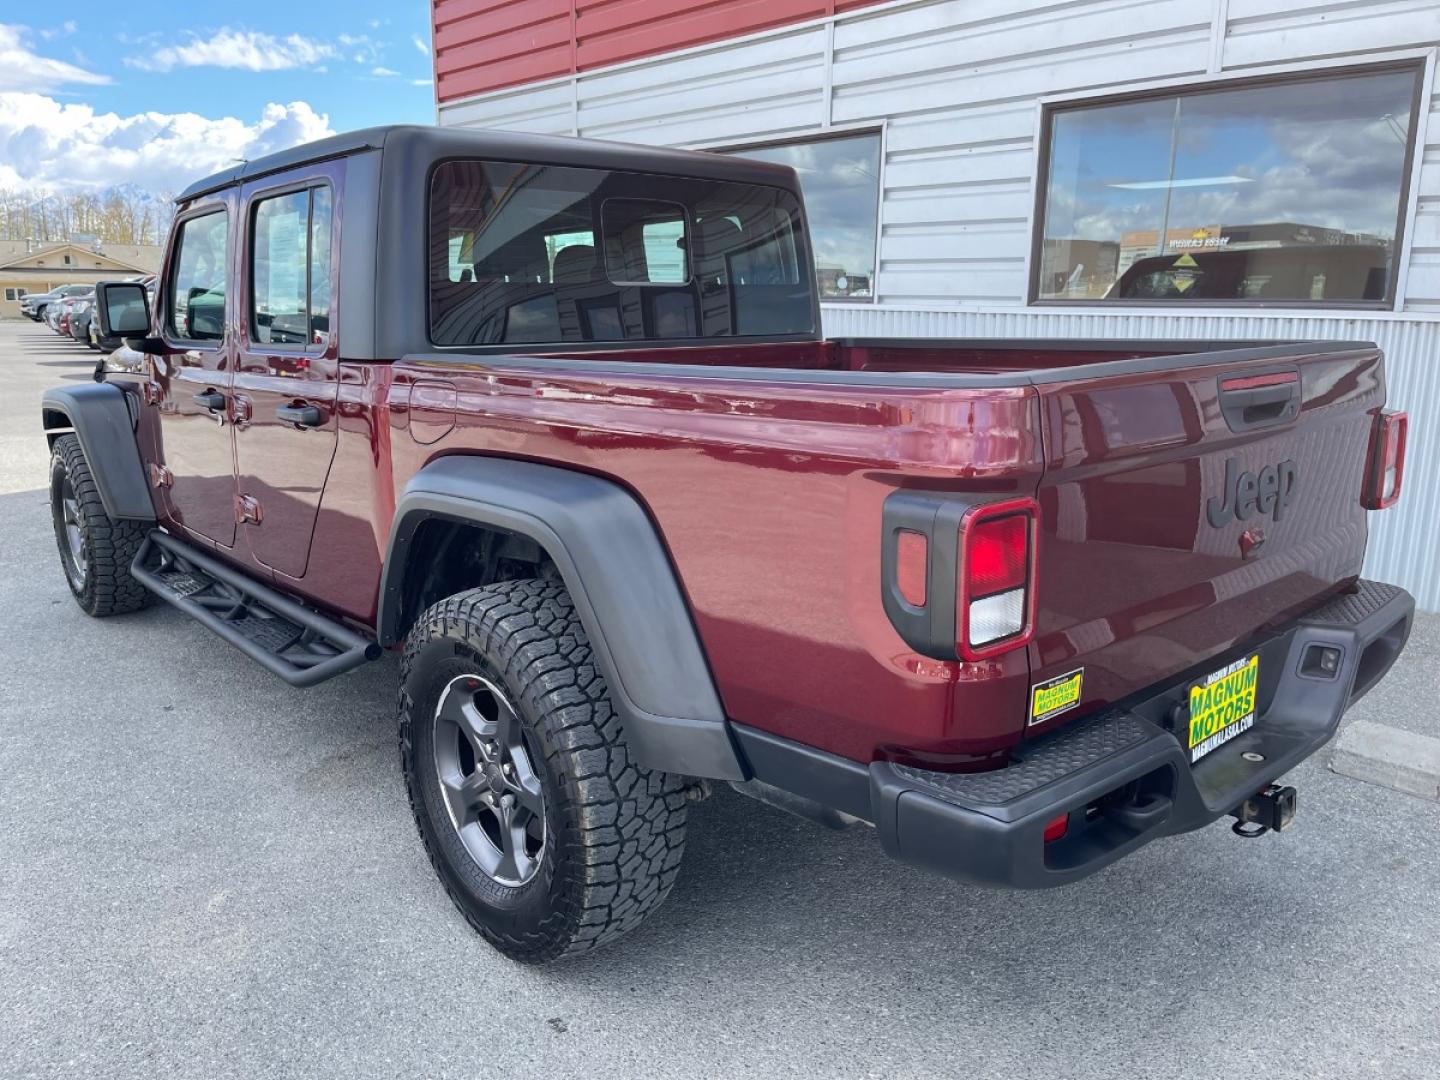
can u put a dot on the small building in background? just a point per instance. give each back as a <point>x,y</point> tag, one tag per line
<point>27,267</point>
<point>1228,170</point>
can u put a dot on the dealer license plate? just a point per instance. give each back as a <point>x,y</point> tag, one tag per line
<point>1222,705</point>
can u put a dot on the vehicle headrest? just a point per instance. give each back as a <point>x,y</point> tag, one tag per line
<point>718,237</point>
<point>523,256</point>
<point>575,263</point>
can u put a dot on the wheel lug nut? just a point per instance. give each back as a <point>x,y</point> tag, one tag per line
<point>507,801</point>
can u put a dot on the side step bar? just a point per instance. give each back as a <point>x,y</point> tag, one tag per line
<point>302,646</point>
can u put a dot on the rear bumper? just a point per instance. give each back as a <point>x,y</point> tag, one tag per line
<point>1122,777</point>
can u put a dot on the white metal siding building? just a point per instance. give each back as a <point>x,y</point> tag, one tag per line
<point>958,92</point>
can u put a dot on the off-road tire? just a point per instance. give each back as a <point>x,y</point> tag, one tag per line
<point>103,585</point>
<point>614,831</point>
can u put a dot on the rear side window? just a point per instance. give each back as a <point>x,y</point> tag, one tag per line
<point>545,254</point>
<point>197,284</point>
<point>645,242</point>
<point>290,268</point>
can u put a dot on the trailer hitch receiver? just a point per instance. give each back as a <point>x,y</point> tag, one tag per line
<point>1270,809</point>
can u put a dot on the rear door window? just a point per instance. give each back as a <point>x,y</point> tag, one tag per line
<point>290,268</point>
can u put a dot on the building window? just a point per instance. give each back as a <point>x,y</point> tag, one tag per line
<point>14,294</point>
<point>1278,191</point>
<point>840,178</point>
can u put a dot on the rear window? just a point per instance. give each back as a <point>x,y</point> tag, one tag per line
<point>531,254</point>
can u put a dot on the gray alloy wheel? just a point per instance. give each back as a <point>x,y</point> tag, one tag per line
<point>66,509</point>
<point>489,785</point>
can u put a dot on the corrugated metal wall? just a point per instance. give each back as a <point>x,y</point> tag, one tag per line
<point>956,86</point>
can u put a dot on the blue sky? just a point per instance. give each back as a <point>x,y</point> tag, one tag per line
<point>155,94</point>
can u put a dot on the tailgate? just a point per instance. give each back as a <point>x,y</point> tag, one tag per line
<point>1180,518</point>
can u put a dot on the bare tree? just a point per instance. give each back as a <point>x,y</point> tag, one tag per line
<point>113,216</point>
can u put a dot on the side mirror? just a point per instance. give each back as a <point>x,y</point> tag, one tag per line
<point>122,309</point>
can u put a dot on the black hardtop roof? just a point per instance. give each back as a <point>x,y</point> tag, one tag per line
<point>421,143</point>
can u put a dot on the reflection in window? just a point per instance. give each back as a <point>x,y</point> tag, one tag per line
<point>840,179</point>
<point>320,216</point>
<point>529,253</point>
<point>197,294</point>
<point>644,242</point>
<point>290,268</point>
<point>1283,192</point>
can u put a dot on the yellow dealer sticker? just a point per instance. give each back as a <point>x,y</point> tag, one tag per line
<point>1054,696</point>
<point>1222,705</point>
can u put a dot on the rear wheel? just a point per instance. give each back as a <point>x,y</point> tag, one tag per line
<point>95,550</point>
<point>548,837</point>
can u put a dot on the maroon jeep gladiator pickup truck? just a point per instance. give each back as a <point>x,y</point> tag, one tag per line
<point>554,419</point>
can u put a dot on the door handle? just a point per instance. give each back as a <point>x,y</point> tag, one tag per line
<point>209,399</point>
<point>304,415</point>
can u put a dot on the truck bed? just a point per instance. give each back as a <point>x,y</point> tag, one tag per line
<point>765,468</point>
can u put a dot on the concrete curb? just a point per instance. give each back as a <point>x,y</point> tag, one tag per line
<point>1388,756</point>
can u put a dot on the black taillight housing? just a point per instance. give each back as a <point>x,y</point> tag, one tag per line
<point>959,573</point>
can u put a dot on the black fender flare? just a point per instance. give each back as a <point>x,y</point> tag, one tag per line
<point>620,578</point>
<point>101,419</point>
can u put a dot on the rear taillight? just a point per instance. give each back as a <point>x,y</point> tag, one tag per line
<point>1386,467</point>
<point>995,585</point>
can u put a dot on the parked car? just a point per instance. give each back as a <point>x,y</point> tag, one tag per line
<point>1314,270</point>
<point>30,301</point>
<point>81,316</point>
<point>68,308</point>
<point>36,305</point>
<point>636,527</point>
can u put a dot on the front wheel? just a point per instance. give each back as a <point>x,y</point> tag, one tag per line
<point>95,549</point>
<point>548,836</point>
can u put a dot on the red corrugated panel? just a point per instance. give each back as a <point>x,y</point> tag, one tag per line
<point>485,45</point>
<point>496,18</point>
<point>608,31</point>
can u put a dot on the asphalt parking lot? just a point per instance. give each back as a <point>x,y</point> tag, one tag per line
<point>206,873</point>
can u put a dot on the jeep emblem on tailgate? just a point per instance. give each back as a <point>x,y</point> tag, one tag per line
<point>1271,491</point>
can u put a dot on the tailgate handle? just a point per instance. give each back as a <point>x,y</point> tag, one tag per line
<point>1255,401</point>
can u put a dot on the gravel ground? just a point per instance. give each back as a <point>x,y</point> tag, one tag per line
<point>206,873</point>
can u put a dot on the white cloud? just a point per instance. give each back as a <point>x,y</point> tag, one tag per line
<point>65,29</point>
<point>420,44</point>
<point>21,69</point>
<point>384,72</point>
<point>422,82</point>
<point>248,50</point>
<point>49,145</point>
